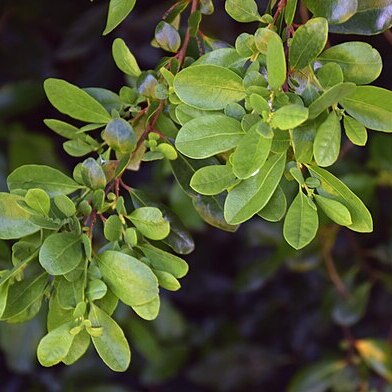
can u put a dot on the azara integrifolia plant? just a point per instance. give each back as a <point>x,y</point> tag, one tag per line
<point>250,131</point>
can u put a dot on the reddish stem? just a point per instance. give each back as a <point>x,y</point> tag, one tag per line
<point>182,53</point>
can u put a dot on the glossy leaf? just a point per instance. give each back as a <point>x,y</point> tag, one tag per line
<point>74,102</point>
<point>289,117</point>
<point>336,11</point>
<point>371,106</point>
<point>326,146</point>
<point>61,253</point>
<point>372,17</point>
<point>243,10</point>
<point>165,261</point>
<point>355,131</point>
<point>209,87</point>
<point>130,279</point>
<point>118,11</point>
<point>308,42</point>
<point>211,180</point>
<point>124,58</point>
<point>334,210</point>
<point>330,97</point>
<point>251,195</point>
<point>335,189</point>
<point>276,62</point>
<point>251,153</point>
<point>14,221</point>
<point>112,346</point>
<point>23,294</point>
<point>276,207</point>
<point>54,346</point>
<point>360,63</point>
<point>206,136</point>
<point>301,222</point>
<point>330,75</point>
<point>52,181</point>
<point>150,222</point>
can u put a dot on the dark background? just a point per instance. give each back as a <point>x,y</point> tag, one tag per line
<point>251,311</point>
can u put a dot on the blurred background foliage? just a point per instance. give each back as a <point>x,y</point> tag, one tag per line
<point>252,312</point>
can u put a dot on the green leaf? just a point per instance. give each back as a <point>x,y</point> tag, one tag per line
<point>167,281</point>
<point>65,205</point>
<point>336,11</point>
<point>276,62</point>
<point>62,128</point>
<point>120,136</point>
<point>21,295</point>
<point>371,106</point>
<point>289,117</point>
<point>148,311</point>
<point>179,238</point>
<point>54,346</point>
<point>206,136</point>
<point>251,195</point>
<point>308,42</point>
<point>289,13</point>
<point>372,17</point>
<point>74,102</point>
<point>61,253</point>
<point>113,228</point>
<point>164,261</point>
<point>112,346</point>
<point>78,348</point>
<point>150,222</point>
<point>96,289</point>
<point>243,10</point>
<point>92,174</point>
<point>77,147</point>
<point>301,222</point>
<point>377,355</point>
<point>52,181</point>
<point>330,97</point>
<point>334,210</point>
<point>214,179</point>
<point>14,221</point>
<point>355,131</point>
<point>209,87</point>
<point>251,153</point>
<point>167,37</point>
<point>360,62</point>
<point>335,189</point>
<point>276,207</point>
<point>124,58</point>
<point>330,75</point>
<point>317,377</point>
<point>118,11</point>
<point>225,57</point>
<point>38,200</point>
<point>130,279</point>
<point>326,146</point>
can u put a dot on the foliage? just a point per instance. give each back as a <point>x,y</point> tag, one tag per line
<point>248,131</point>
